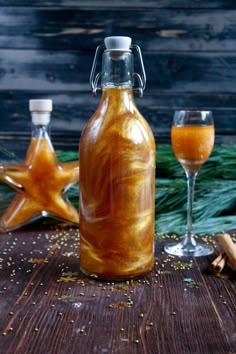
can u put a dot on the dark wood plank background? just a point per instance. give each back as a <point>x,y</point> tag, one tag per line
<point>47,50</point>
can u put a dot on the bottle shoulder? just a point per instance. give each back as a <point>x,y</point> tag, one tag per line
<point>40,150</point>
<point>130,126</point>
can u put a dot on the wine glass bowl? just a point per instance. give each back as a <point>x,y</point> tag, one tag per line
<point>192,139</point>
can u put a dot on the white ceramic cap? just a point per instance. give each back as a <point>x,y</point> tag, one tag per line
<point>43,105</point>
<point>41,110</point>
<point>118,43</point>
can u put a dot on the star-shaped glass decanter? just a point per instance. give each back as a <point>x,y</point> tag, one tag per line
<point>41,181</point>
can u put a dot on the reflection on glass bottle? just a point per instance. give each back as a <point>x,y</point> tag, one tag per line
<point>41,180</point>
<point>117,176</point>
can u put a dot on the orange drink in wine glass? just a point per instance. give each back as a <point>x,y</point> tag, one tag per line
<point>192,139</point>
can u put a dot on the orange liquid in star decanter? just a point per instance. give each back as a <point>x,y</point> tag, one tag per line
<point>192,145</point>
<point>117,181</point>
<point>42,179</point>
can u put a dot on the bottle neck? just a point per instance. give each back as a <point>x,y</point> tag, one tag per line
<point>117,70</point>
<point>40,124</point>
<point>121,97</point>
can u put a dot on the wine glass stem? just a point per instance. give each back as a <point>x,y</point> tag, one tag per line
<point>191,178</point>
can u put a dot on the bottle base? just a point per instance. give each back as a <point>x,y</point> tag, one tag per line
<point>114,278</point>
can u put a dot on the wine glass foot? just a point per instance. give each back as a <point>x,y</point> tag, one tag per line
<point>179,249</point>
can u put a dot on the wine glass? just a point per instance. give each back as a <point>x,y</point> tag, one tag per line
<point>192,139</point>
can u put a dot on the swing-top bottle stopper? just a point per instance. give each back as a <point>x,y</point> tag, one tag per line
<point>117,47</point>
<point>118,43</point>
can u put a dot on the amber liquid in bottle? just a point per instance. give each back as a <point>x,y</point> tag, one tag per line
<point>39,181</point>
<point>117,179</point>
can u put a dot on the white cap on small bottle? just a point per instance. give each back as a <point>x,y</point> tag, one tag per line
<point>44,105</point>
<point>40,111</point>
<point>118,43</point>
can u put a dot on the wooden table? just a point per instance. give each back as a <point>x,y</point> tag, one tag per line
<point>47,306</point>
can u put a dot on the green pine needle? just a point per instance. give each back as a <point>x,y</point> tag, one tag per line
<point>215,193</point>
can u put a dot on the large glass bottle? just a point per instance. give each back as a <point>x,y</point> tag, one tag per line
<point>117,175</point>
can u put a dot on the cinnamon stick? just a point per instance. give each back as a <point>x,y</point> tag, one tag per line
<point>219,263</point>
<point>229,248</point>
